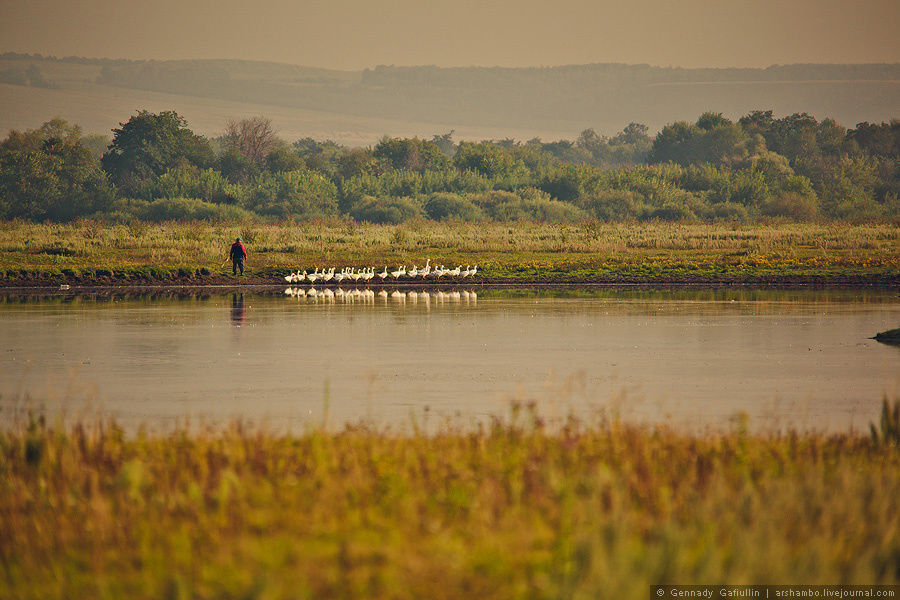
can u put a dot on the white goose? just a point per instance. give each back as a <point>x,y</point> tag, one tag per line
<point>426,269</point>
<point>328,276</point>
<point>368,274</point>
<point>455,272</point>
<point>399,272</point>
<point>355,276</point>
<point>312,277</point>
<point>383,274</point>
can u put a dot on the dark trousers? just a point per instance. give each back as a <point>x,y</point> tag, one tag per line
<point>237,263</point>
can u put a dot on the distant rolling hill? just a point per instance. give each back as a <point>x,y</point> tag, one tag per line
<point>477,102</point>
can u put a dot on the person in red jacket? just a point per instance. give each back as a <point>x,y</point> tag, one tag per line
<point>237,255</point>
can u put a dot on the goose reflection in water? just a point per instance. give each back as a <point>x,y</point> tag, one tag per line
<point>237,309</point>
<point>354,296</point>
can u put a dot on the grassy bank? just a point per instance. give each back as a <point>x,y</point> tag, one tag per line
<point>91,252</point>
<point>509,511</point>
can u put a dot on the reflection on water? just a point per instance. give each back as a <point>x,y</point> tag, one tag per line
<point>237,309</point>
<point>865,295</point>
<point>366,296</point>
<point>694,357</point>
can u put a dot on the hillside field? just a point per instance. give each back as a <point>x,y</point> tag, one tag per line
<point>358,107</point>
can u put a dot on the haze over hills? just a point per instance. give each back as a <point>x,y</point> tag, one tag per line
<point>358,107</point>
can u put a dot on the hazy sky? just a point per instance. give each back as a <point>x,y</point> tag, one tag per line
<point>353,34</point>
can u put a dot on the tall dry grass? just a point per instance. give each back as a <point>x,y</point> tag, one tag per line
<point>510,510</point>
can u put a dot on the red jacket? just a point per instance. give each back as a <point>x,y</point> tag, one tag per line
<point>237,251</point>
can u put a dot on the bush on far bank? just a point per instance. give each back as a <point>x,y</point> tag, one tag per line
<point>173,209</point>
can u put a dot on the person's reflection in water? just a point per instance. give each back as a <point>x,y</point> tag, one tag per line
<point>237,309</point>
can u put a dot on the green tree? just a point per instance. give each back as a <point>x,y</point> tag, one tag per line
<point>634,133</point>
<point>357,161</point>
<point>484,158</point>
<point>284,159</point>
<point>148,144</point>
<point>712,120</point>
<point>675,143</point>
<point>297,194</point>
<point>878,140</point>
<point>411,154</point>
<point>445,143</point>
<point>48,174</point>
<point>237,167</point>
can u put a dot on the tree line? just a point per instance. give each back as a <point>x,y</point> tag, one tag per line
<point>155,168</point>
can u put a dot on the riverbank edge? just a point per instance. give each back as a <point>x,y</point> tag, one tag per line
<point>180,279</point>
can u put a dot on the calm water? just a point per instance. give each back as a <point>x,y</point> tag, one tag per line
<point>693,358</point>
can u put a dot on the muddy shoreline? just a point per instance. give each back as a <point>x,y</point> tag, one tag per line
<point>252,282</point>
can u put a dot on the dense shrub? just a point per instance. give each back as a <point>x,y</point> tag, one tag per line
<point>670,211</point>
<point>508,206</point>
<point>444,205</point>
<point>386,210</point>
<point>189,182</point>
<point>486,159</point>
<point>791,206</point>
<point>299,194</point>
<point>727,211</point>
<point>411,154</point>
<point>613,205</point>
<point>173,209</point>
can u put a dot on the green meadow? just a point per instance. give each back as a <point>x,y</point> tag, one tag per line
<point>98,252</point>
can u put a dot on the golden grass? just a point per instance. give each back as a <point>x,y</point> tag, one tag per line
<point>587,250</point>
<point>510,510</point>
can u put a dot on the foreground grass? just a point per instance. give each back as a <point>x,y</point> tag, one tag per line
<point>508,511</point>
<point>519,251</point>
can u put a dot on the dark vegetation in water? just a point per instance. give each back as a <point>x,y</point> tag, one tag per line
<point>891,336</point>
<point>156,294</point>
<point>793,168</point>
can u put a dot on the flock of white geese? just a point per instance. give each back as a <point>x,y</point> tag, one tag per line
<point>350,274</point>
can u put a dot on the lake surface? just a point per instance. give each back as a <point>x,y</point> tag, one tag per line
<point>693,358</point>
